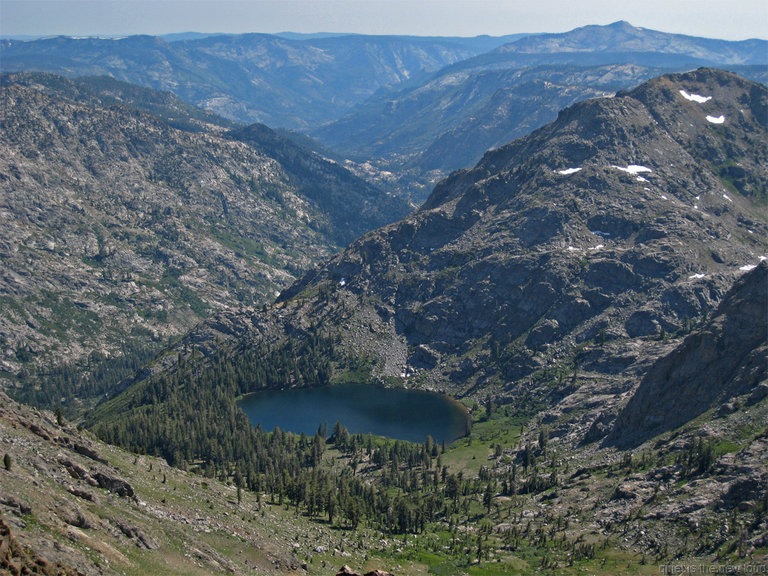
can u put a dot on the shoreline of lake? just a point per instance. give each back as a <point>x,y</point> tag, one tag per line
<point>397,413</point>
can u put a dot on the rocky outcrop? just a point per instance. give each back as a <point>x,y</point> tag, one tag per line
<point>115,485</point>
<point>726,358</point>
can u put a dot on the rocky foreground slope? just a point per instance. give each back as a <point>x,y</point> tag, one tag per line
<point>70,505</point>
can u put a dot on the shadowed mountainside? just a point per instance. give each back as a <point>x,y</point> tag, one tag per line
<point>725,358</point>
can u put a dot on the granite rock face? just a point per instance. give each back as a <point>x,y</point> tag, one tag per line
<point>582,245</point>
<point>726,358</point>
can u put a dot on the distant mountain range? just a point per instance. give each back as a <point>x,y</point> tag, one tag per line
<point>640,43</point>
<point>405,110</point>
<point>282,82</point>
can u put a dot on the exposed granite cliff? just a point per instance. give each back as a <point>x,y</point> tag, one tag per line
<point>727,357</point>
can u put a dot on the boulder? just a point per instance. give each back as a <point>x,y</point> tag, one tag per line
<point>115,485</point>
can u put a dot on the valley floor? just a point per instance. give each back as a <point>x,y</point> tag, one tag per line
<point>72,505</point>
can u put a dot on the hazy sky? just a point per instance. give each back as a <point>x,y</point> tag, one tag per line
<point>727,19</point>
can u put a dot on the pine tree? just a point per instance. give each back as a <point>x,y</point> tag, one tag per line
<point>543,439</point>
<point>488,498</point>
<point>490,407</point>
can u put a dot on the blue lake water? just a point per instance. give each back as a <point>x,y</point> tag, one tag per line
<point>363,408</point>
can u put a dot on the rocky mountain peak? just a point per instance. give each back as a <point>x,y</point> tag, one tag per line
<point>580,246</point>
<point>641,145</point>
<point>621,38</point>
<point>614,37</point>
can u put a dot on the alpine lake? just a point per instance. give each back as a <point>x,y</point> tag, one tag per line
<point>396,413</point>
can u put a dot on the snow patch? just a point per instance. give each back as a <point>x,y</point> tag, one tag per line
<point>762,258</point>
<point>633,169</point>
<point>343,282</point>
<point>716,119</point>
<point>641,179</point>
<point>598,247</point>
<point>695,97</point>
<point>663,197</point>
<point>573,249</point>
<point>568,171</point>
<point>696,276</point>
<point>747,267</point>
<point>727,198</point>
<point>601,233</point>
